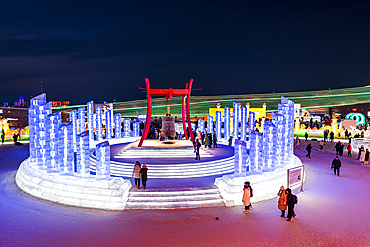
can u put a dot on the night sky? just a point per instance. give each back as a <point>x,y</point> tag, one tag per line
<point>103,50</point>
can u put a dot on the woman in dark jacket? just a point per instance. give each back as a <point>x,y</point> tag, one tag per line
<point>144,175</point>
<point>290,202</point>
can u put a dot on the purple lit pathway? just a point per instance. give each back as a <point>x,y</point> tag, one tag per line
<point>332,211</point>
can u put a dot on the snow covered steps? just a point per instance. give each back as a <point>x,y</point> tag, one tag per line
<point>172,199</point>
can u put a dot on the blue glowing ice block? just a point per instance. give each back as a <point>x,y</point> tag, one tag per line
<point>251,122</point>
<point>279,121</point>
<point>33,113</point>
<point>66,162</point>
<point>255,153</point>
<point>90,120</point>
<point>53,123</point>
<point>286,108</point>
<point>201,125</point>
<point>81,120</point>
<point>126,127</point>
<point>83,155</point>
<point>235,120</point>
<point>240,159</point>
<point>218,125</point>
<point>103,161</point>
<point>108,124</point>
<point>269,146</point>
<point>243,123</point>
<point>73,119</point>
<point>44,111</point>
<point>227,123</point>
<point>136,130</point>
<point>117,125</point>
<point>210,124</point>
<point>99,123</point>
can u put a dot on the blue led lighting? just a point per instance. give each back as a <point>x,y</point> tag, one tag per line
<point>210,124</point>
<point>218,125</point>
<point>99,123</point>
<point>126,127</point>
<point>227,123</point>
<point>117,125</point>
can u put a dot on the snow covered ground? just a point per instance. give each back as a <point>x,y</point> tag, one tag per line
<point>332,211</point>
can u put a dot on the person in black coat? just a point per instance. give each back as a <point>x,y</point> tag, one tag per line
<point>290,201</point>
<point>337,147</point>
<point>308,148</point>
<point>196,148</point>
<point>144,175</point>
<point>336,164</point>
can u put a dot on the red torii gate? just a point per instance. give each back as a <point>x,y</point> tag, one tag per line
<point>169,93</point>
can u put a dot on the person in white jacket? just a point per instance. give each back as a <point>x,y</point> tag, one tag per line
<point>136,173</point>
<point>248,193</point>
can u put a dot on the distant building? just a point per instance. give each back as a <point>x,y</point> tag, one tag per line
<point>15,115</point>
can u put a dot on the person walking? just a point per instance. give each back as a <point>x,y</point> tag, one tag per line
<point>144,175</point>
<point>349,149</point>
<point>309,148</point>
<point>321,145</point>
<point>248,193</point>
<point>360,150</point>
<point>282,201</point>
<point>196,149</point>
<point>210,140</point>
<point>214,141</point>
<point>366,160</point>
<point>290,201</point>
<point>341,147</point>
<point>136,173</point>
<point>2,136</point>
<point>331,136</point>
<point>297,143</point>
<point>337,147</point>
<point>206,141</point>
<point>326,135</point>
<point>306,136</point>
<point>336,164</point>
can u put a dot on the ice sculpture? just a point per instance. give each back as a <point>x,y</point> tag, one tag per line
<point>269,146</point>
<point>218,125</point>
<point>136,127</point>
<point>99,123</point>
<point>53,123</point>
<point>103,161</point>
<point>210,125</point>
<point>241,158</point>
<point>83,154</point>
<point>81,120</point>
<point>117,125</point>
<point>227,123</point>
<point>90,119</point>
<point>235,120</point>
<point>243,124</point>
<point>126,127</point>
<point>66,163</point>
<point>73,119</point>
<point>108,124</point>
<point>201,125</point>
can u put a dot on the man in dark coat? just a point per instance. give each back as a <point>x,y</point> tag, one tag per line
<point>308,148</point>
<point>341,147</point>
<point>337,147</point>
<point>290,201</point>
<point>336,164</point>
<point>197,147</point>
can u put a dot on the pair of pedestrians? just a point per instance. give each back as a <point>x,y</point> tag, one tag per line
<point>287,200</point>
<point>140,172</point>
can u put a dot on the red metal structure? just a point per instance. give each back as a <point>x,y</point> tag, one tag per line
<point>169,93</point>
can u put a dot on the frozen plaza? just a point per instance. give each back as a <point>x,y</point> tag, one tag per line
<point>331,211</point>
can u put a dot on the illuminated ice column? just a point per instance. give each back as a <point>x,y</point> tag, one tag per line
<point>240,159</point>
<point>126,127</point>
<point>99,123</point>
<point>227,123</point>
<point>251,122</point>
<point>117,125</point>
<point>218,125</point>
<point>108,124</point>
<point>255,152</point>
<point>33,113</point>
<point>286,108</point>
<point>269,146</point>
<point>201,125</point>
<point>90,120</point>
<point>235,120</point>
<point>136,129</point>
<point>44,111</point>
<point>52,138</point>
<point>243,124</point>
<point>83,154</point>
<point>103,161</point>
<point>210,125</point>
<point>73,119</point>
<point>81,120</point>
<point>66,149</point>
<point>279,120</point>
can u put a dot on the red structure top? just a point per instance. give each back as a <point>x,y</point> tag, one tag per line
<point>169,93</point>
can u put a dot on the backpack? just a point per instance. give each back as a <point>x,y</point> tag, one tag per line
<point>295,199</point>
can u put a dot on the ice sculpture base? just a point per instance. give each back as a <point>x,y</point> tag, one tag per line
<point>265,186</point>
<point>76,191</point>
